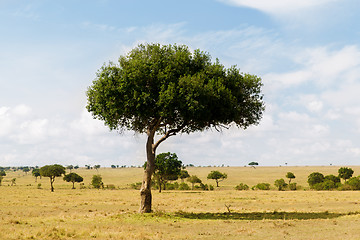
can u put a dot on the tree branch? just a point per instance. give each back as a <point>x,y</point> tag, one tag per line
<point>168,134</point>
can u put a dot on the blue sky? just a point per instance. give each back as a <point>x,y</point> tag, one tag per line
<point>307,53</point>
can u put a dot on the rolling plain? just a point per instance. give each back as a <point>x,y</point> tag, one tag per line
<point>28,211</point>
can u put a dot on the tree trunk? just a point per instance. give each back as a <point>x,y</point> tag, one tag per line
<point>145,191</point>
<point>73,185</point>
<point>51,184</point>
<point>217,183</point>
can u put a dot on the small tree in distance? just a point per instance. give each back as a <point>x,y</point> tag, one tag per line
<point>194,179</point>
<point>52,171</point>
<point>183,174</point>
<point>217,176</point>
<point>253,164</point>
<point>280,184</point>
<point>315,178</point>
<point>167,167</point>
<point>290,176</point>
<point>73,177</point>
<point>2,174</point>
<point>345,173</point>
<point>36,173</point>
<point>97,182</point>
<point>70,167</point>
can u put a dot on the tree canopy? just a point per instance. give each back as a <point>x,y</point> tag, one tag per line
<point>73,177</point>
<point>217,176</point>
<point>345,173</point>
<point>290,176</point>
<point>52,171</point>
<point>165,90</point>
<point>167,167</point>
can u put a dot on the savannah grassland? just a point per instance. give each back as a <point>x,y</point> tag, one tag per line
<point>31,213</point>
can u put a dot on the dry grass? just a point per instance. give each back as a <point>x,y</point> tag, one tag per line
<point>30,213</point>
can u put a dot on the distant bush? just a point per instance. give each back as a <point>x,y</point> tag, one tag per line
<point>315,178</point>
<point>354,183</point>
<point>261,186</point>
<point>242,186</point>
<point>136,185</point>
<point>110,186</point>
<point>184,186</point>
<point>292,186</point>
<point>97,182</point>
<point>280,184</point>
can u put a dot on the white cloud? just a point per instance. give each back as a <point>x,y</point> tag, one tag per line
<point>276,7</point>
<point>21,110</point>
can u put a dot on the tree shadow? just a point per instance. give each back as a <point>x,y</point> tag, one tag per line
<point>262,215</point>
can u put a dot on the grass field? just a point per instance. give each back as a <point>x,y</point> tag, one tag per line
<point>31,213</point>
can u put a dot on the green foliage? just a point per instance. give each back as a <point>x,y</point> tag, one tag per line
<point>354,183</point>
<point>73,177</point>
<point>136,185</point>
<point>97,182</point>
<point>253,164</point>
<point>280,184</point>
<point>1,178</point>
<point>36,173</point>
<point>315,178</point>
<point>70,167</point>
<point>345,173</point>
<point>183,174</point>
<point>52,171</point>
<point>183,91</point>
<point>2,173</point>
<point>184,186</point>
<point>242,186</point>
<point>292,186</point>
<point>333,178</point>
<point>290,176</point>
<point>217,176</point>
<point>261,186</point>
<point>167,168</point>
<point>193,180</point>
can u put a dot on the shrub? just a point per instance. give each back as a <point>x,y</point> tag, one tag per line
<point>242,186</point>
<point>261,186</point>
<point>111,186</point>
<point>315,178</point>
<point>354,183</point>
<point>136,185</point>
<point>280,184</point>
<point>292,186</point>
<point>184,186</point>
<point>333,178</point>
<point>96,182</point>
<point>171,186</point>
<point>326,185</point>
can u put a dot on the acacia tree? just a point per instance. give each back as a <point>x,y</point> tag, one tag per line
<point>290,176</point>
<point>217,176</point>
<point>345,173</point>
<point>167,167</point>
<point>193,179</point>
<point>52,171</point>
<point>163,90</point>
<point>36,173</point>
<point>183,174</point>
<point>73,177</point>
